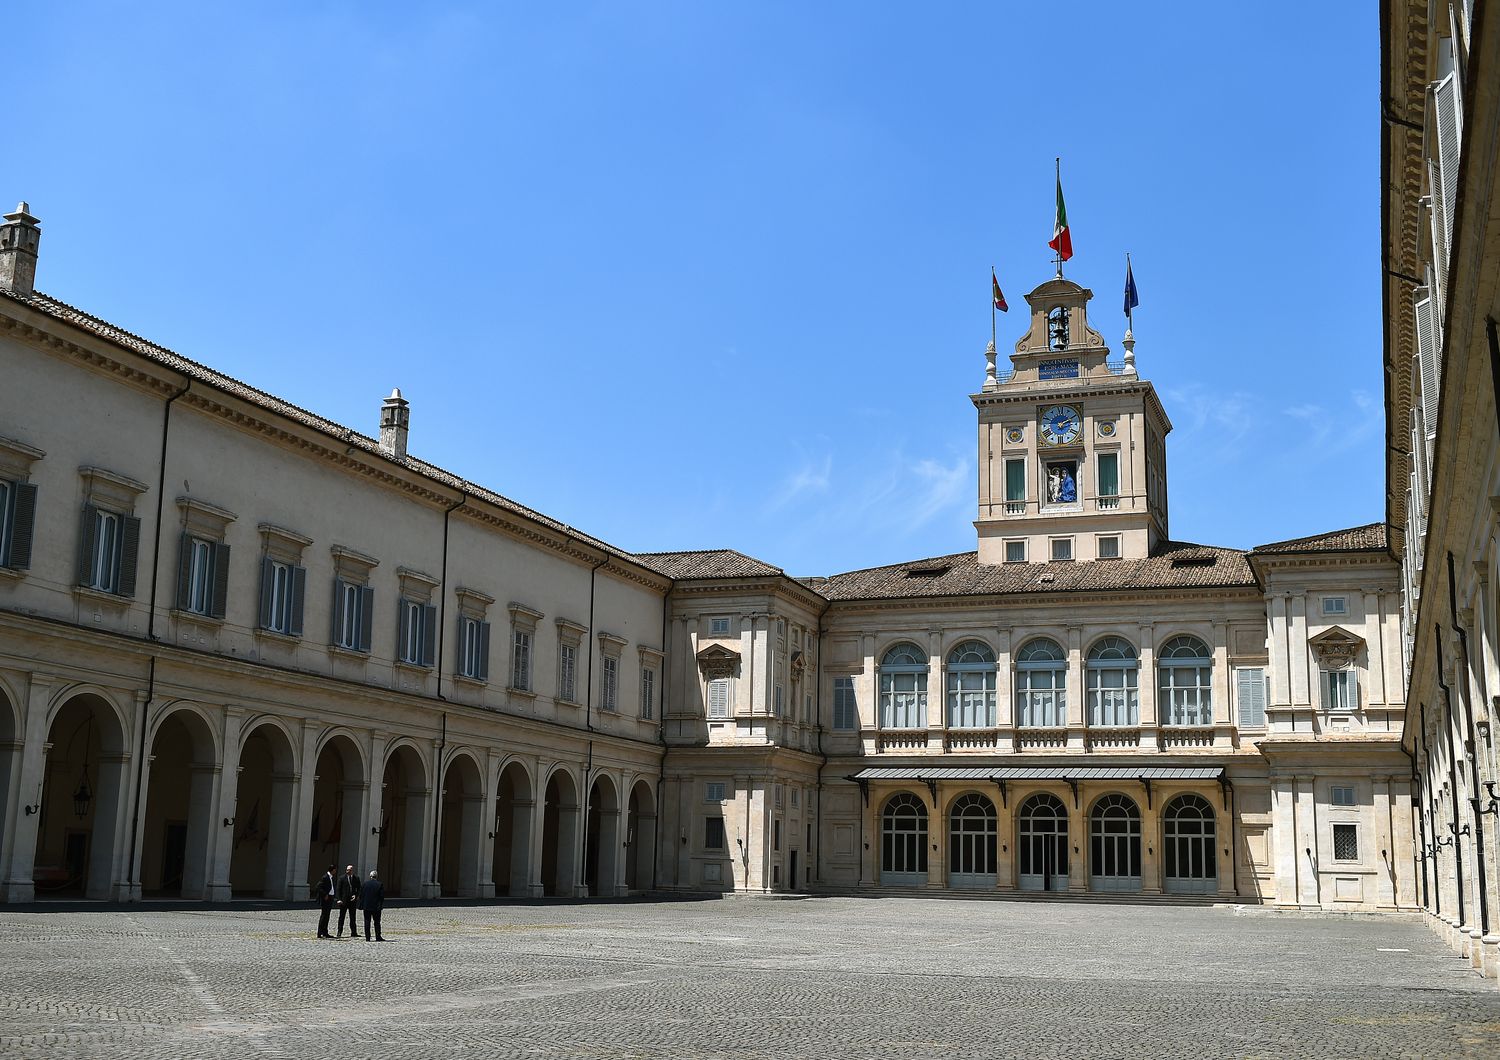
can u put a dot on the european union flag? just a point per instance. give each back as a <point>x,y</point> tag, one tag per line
<point>1131,298</point>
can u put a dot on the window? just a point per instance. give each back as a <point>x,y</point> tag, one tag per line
<point>713,833</point>
<point>1341,795</point>
<point>795,799</point>
<point>1340,690</point>
<point>1189,846</point>
<point>1250,694</point>
<point>780,795</point>
<point>1346,842</point>
<point>1062,548</point>
<point>107,556</point>
<point>1109,480</point>
<point>648,694</point>
<point>195,576</point>
<point>283,591</point>
<point>473,648</point>
<point>845,710</point>
<point>1041,684</point>
<point>903,688</point>
<point>903,840</point>
<point>718,698</point>
<point>713,791</point>
<point>567,673</point>
<point>1062,482</point>
<point>1015,551</point>
<point>1015,486</point>
<point>417,634</point>
<point>353,608</point>
<point>1109,546</point>
<point>17,523</point>
<point>718,627</point>
<point>776,835</point>
<point>1185,682</point>
<point>611,690</point>
<point>971,686</point>
<point>520,660</point>
<point>1335,605</point>
<point>808,717</point>
<point>1113,670</point>
<point>777,700</point>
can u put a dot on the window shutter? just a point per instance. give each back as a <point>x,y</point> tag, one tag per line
<point>22,522</point>
<point>184,571</point>
<point>1439,228</point>
<point>1449,129</point>
<point>366,615</point>
<point>130,548</point>
<point>336,630</point>
<point>429,634</point>
<point>1427,355</point>
<point>220,598</point>
<point>86,544</point>
<point>267,590</point>
<point>299,595</point>
<point>403,627</point>
<point>1353,689</point>
<point>1252,696</point>
<point>1015,480</point>
<point>483,670</point>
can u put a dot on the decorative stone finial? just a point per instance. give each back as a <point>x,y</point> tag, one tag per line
<point>990,382</point>
<point>19,239</point>
<point>1129,345</point>
<point>395,423</point>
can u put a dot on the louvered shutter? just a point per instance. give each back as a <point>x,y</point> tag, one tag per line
<point>1251,693</point>
<point>267,591</point>
<point>338,613</point>
<point>403,628</point>
<point>299,596</point>
<point>718,698</point>
<point>184,571</point>
<point>86,538</point>
<point>130,549</point>
<point>366,615</point>
<point>1427,354</point>
<point>483,670</point>
<point>429,634</point>
<point>220,598</point>
<point>1439,225</point>
<point>22,524</point>
<point>1449,110</point>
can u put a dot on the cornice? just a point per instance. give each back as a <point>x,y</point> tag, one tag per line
<point>1235,593</point>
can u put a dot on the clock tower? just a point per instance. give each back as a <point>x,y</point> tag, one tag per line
<point>1072,445</point>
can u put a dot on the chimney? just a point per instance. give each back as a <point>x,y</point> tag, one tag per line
<point>19,236</point>
<point>395,419</point>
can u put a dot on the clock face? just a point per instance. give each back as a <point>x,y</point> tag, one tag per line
<point>1060,425</point>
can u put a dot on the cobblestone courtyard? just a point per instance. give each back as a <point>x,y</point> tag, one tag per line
<point>835,977</point>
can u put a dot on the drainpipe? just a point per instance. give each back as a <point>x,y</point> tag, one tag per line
<point>1458,850</point>
<point>1472,756</point>
<point>588,694</point>
<point>1418,763</point>
<point>140,762</point>
<point>443,592</point>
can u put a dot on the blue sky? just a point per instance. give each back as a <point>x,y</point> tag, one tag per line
<point>694,275</point>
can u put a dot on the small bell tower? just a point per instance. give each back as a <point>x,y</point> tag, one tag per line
<point>1072,444</point>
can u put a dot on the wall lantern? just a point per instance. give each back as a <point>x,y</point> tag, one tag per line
<point>82,797</point>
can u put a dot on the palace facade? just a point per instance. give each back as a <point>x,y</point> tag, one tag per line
<point>239,642</point>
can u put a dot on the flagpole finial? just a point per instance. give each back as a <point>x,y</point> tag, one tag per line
<point>990,380</point>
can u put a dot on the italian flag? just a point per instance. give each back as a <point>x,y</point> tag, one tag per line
<point>1062,239</point>
<point>999,298</point>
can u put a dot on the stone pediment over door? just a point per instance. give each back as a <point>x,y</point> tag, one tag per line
<point>717,661</point>
<point>1336,648</point>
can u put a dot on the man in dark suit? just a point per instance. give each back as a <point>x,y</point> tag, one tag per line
<point>348,895</point>
<point>324,896</point>
<point>372,901</point>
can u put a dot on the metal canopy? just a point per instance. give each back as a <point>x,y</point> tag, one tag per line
<point>921,774</point>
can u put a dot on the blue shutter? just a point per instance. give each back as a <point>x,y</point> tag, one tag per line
<point>337,629</point>
<point>220,597</point>
<point>130,547</point>
<point>366,615</point>
<point>267,590</point>
<point>86,540</point>
<point>22,522</point>
<point>429,635</point>
<point>299,594</point>
<point>184,571</point>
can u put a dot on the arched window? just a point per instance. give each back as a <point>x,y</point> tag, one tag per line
<point>1185,671</point>
<point>903,688</point>
<point>971,842</point>
<point>1041,684</point>
<point>1044,844</point>
<point>1189,843</point>
<point>1112,672</point>
<point>971,686</point>
<point>1115,844</point>
<point>903,840</point>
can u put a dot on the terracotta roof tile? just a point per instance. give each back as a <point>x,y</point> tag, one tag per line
<point>707,563</point>
<point>1368,538</point>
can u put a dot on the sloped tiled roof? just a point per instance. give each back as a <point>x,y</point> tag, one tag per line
<point>1368,538</point>
<point>1174,565</point>
<point>707,563</point>
<point>176,362</point>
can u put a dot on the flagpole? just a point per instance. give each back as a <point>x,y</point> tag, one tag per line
<point>993,281</point>
<point>1057,190</point>
<point>1129,313</point>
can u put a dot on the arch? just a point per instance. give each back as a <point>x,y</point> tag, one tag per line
<point>601,849</point>
<point>177,825</point>
<point>640,836</point>
<point>340,793</point>
<point>972,831</point>
<point>260,854</point>
<point>79,853</point>
<point>199,711</point>
<point>1041,684</point>
<point>462,820</point>
<point>404,791</point>
<point>903,687</point>
<point>1184,669</point>
<point>515,806</point>
<point>1114,844</point>
<point>10,766</point>
<point>1190,860</point>
<point>1043,841</point>
<point>1112,672</point>
<point>354,742</point>
<point>560,812</point>
<point>903,841</point>
<point>971,685</point>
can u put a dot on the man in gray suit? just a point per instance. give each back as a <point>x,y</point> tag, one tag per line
<point>372,900</point>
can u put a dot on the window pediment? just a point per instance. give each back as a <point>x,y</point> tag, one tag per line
<point>716,661</point>
<point>1336,647</point>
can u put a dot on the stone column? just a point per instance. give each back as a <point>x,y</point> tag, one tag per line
<point>1005,690</point>
<point>869,855</point>
<point>937,843</point>
<point>1076,691</point>
<point>1151,856</point>
<point>1005,844</point>
<point>535,888</point>
<point>1281,662</point>
<point>375,800</point>
<point>937,712</point>
<point>1146,682</point>
<point>302,801</point>
<point>1385,861</point>
<point>1297,650</point>
<point>1308,853</point>
<point>488,818</point>
<point>1286,856</point>
<point>1403,841</point>
<point>1223,719</point>
<point>222,841</point>
<point>21,850</point>
<point>1078,840</point>
<point>1375,655</point>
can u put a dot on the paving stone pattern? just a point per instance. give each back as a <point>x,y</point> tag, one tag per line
<point>739,978</point>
